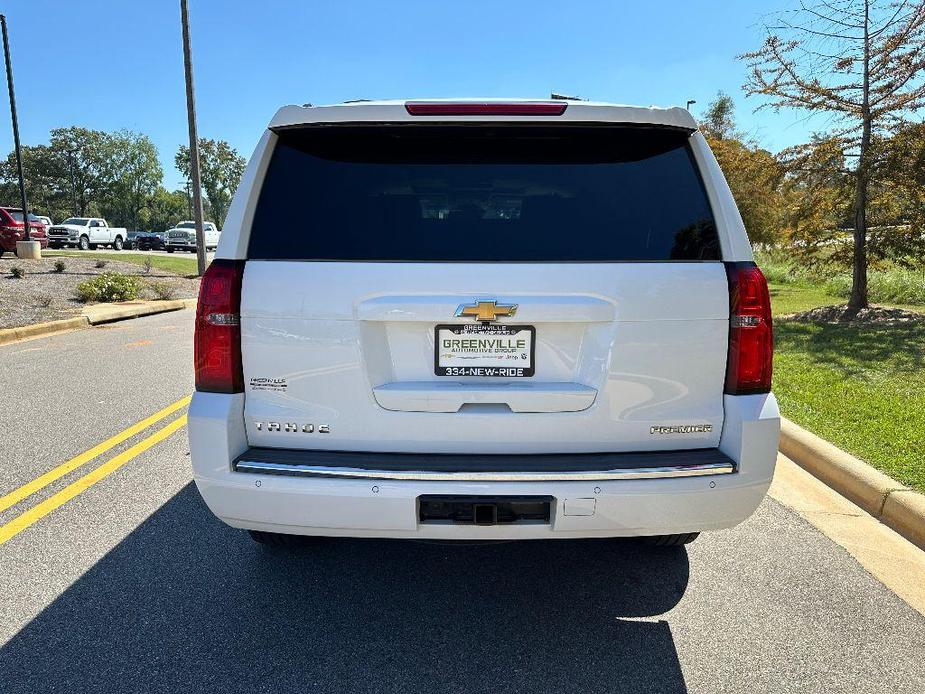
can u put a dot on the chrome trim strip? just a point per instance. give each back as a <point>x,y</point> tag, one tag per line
<point>640,473</point>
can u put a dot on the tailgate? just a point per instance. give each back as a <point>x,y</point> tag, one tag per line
<point>621,356</point>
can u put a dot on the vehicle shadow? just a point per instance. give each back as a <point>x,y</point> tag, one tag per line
<point>187,604</point>
<point>856,349</point>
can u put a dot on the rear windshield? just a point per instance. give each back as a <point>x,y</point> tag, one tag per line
<point>18,217</point>
<point>480,193</point>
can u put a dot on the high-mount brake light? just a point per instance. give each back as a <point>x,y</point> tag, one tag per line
<point>751,336</point>
<point>217,343</point>
<point>486,108</point>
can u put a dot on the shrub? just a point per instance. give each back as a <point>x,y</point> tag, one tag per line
<point>60,266</point>
<point>17,272</point>
<point>162,291</point>
<point>100,264</point>
<point>147,266</point>
<point>45,301</point>
<point>108,286</point>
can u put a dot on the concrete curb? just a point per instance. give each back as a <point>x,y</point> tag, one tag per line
<point>94,315</point>
<point>892,503</point>
<point>107,313</point>
<point>8,335</point>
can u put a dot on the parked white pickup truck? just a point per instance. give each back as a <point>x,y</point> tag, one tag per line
<point>86,232</point>
<point>183,237</point>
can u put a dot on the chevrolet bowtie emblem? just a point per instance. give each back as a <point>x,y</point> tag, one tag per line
<point>485,310</point>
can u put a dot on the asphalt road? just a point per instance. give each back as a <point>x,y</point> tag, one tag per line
<point>132,586</point>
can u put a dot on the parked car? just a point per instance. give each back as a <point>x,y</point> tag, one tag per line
<point>183,237</point>
<point>152,241</point>
<point>131,240</point>
<point>86,233</point>
<point>45,220</point>
<point>12,229</point>
<point>506,320</point>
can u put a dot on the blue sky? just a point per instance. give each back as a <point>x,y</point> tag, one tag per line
<point>109,65</point>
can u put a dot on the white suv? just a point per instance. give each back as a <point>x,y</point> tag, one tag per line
<point>495,320</point>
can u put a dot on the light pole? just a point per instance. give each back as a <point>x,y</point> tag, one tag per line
<point>193,140</point>
<point>24,248</point>
<point>690,102</point>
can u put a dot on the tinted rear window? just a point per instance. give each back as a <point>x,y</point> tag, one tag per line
<point>480,193</point>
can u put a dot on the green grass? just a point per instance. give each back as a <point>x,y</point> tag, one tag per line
<point>862,387</point>
<point>179,265</point>
<point>791,298</point>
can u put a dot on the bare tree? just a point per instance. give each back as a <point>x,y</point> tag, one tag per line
<point>861,62</point>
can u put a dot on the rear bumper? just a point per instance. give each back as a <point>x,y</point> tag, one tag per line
<point>634,497</point>
<point>8,243</point>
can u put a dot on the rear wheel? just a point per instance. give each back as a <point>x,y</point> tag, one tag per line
<point>670,540</point>
<point>278,539</point>
<point>117,244</point>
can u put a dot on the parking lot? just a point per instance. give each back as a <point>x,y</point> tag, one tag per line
<point>118,578</point>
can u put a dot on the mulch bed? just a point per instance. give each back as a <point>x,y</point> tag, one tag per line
<point>875,315</point>
<point>44,295</point>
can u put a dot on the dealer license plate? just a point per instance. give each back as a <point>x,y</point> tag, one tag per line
<point>484,349</point>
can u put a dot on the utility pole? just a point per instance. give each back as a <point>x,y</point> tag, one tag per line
<point>9,82</point>
<point>193,140</point>
<point>75,207</point>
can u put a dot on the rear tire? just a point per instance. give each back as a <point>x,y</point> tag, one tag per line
<point>278,539</point>
<point>117,244</point>
<point>670,540</point>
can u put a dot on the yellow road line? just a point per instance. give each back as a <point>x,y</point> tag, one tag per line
<point>27,518</point>
<point>38,483</point>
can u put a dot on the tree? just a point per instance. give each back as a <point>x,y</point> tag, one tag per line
<point>44,186</point>
<point>131,176</point>
<point>165,209</point>
<point>899,200</point>
<point>718,123</point>
<point>754,174</point>
<point>818,196</point>
<point>860,61</point>
<point>80,156</point>
<point>221,168</point>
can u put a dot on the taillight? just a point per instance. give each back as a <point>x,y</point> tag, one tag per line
<point>485,108</point>
<point>751,337</point>
<point>217,344</point>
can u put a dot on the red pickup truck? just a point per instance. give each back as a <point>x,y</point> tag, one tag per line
<point>12,229</point>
